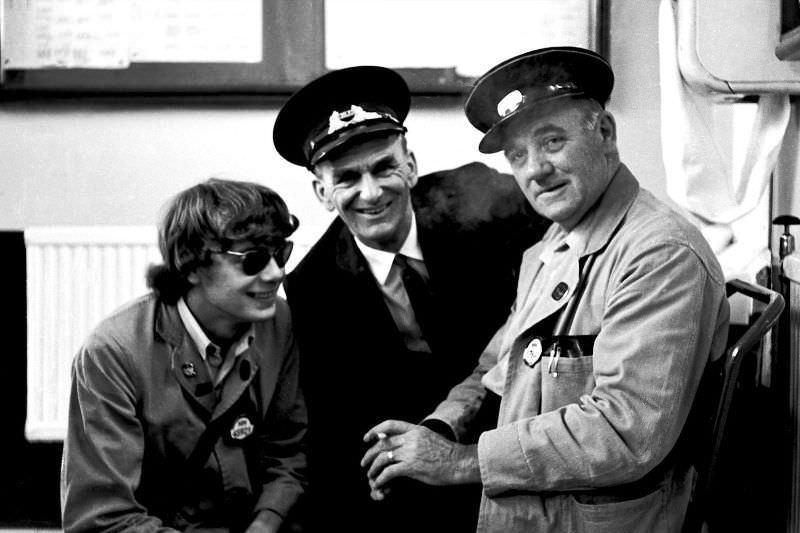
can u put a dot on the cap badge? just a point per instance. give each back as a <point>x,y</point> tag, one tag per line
<point>510,103</point>
<point>356,114</point>
<point>515,99</point>
<point>242,428</point>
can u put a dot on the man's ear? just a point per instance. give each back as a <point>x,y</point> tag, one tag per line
<point>608,130</point>
<point>321,192</point>
<point>413,176</point>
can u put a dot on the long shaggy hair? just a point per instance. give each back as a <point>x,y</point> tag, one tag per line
<point>212,216</point>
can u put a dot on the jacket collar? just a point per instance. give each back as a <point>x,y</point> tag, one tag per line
<point>190,370</point>
<point>185,362</point>
<point>380,262</point>
<point>590,235</point>
<point>603,219</point>
<point>348,257</point>
<point>167,321</point>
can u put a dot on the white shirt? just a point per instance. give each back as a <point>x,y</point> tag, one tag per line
<point>388,276</point>
<point>380,261</point>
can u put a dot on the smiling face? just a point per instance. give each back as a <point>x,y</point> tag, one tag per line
<point>369,186</point>
<point>225,300</point>
<point>563,157</point>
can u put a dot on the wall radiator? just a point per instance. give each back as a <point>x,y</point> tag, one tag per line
<point>76,276</point>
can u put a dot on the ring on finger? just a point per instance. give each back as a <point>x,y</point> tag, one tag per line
<point>390,455</point>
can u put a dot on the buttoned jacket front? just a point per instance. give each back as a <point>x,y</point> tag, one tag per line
<point>142,397</point>
<point>579,426</point>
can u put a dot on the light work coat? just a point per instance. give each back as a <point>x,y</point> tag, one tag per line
<point>575,435</point>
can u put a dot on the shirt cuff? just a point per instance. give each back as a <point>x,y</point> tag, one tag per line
<point>441,427</point>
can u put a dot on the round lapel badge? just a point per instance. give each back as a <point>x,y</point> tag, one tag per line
<point>560,290</point>
<point>532,352</point>
<point>242,428</point>
<point>188,370</point>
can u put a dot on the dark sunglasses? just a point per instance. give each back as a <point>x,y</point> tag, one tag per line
<point>254,261</point>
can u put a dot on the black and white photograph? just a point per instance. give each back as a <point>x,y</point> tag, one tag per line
<point>400,266</point>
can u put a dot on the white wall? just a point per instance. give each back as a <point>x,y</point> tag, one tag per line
<point>79,164</point>
<point>115,163</point>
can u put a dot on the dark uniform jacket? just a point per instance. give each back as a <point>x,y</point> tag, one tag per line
<point>473,225</point>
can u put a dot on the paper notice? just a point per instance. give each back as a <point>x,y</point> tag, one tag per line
<point>108,34</point>
<point>214,31</point>
<point>66,33</point>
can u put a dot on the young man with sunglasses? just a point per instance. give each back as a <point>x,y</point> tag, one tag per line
<point>394,303</point>
<point>185,411</point>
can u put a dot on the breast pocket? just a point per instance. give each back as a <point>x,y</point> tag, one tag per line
<point>565,380</point>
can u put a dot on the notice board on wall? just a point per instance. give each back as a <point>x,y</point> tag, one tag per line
<point>160,46</point>
<point>272,46</point>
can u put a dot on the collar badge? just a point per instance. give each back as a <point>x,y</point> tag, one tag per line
<point>189,370</point>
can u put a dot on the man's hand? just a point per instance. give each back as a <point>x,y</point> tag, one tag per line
<point>416,452</point>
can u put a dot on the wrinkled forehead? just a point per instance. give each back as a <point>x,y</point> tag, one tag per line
<point>564,114</point>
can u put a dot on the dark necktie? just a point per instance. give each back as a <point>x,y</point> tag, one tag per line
<point>418,294</point>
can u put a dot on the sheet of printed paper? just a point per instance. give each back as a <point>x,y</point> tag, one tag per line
<point>113,33</point>
<point>66,33</point>
<point>185,31</point>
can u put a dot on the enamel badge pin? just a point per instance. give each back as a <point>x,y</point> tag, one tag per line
<point>532,352</point>
<point>242,428</point>
<point>188,370</point>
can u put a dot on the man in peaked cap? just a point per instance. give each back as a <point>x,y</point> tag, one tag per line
<point>619,309</point>
<point>394,303</point>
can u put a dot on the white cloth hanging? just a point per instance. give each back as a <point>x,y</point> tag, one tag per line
<point>699,178</point>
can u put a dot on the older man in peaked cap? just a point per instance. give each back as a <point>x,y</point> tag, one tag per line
<point>394,303</point>
<point>619,308</point>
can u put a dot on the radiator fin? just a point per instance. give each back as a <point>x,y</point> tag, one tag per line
<point>76,276</point>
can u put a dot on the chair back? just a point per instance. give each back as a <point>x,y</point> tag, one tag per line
<point>723,377</point>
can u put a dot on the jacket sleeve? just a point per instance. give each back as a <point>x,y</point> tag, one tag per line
<point>103,448</point>
<point>283,447</point>
<point>663,313</point>
<point>464,400</point>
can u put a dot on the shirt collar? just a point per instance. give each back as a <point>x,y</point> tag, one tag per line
<point>556,240</point>
<point>380,261</point>
<point>199,337</point>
